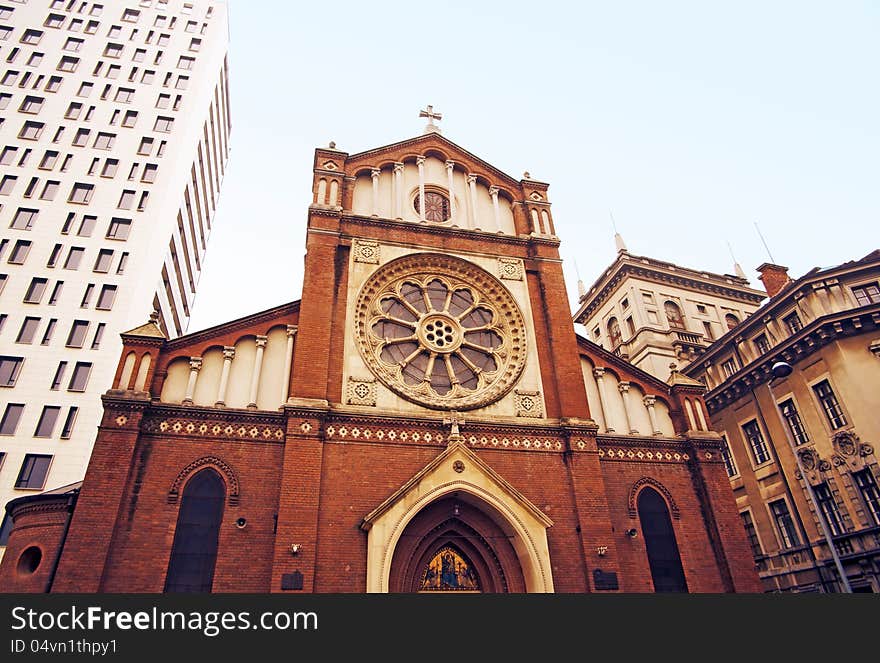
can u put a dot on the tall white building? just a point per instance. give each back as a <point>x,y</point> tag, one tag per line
<point>114,138</point>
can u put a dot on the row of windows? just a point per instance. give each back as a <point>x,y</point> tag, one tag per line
<point>789,536</point>
<point>752,432</point>
<point>81,193</point>
<point>31,476</point>
<point>32,130</point>
<point>49,416</point>
<point>38,287</point>
<point>107,170</point>
<point>25,218</point>
<point>53,84</point>
<point>76,338</point>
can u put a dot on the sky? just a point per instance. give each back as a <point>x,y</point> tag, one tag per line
<point>696,124</point>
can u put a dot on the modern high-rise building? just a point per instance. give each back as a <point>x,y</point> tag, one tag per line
<point>114,138</point>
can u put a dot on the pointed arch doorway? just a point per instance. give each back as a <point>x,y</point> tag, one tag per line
<point>454,546</point>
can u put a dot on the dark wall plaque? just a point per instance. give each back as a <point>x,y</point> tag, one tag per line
<point>603,580</point>
<point>292,580</point>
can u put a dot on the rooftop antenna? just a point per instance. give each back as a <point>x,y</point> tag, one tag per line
<point>618,240</point>
<point>737,268</point>
<point>764,243</point>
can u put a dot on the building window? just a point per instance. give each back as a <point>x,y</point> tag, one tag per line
<point>54,21</point>
<point>19,252</point>
<point>85,89</point>
<point>11,415</point>
<point>663,556</point>
<point>149,174</point>
<point>31,37</point>
<point>867,294</point>
<point>110,167</point>
<point>69,422</point>
<point>87,295</point>
<point>784,524</point>
<point>34,293</point>
<point>165,125</point>
<point>707,330</point>
<point>131,15</point>
<point>795,425</point>
<point>28,330</point>
<point>731,320</point>
<point>126,200</point>
<point>102,263</point>
<point>31,105</point>
<point>113,50</point>
<point>123,261</point>
<point>81,193</point>
<point>185,62</point>
<point>830,405</point>
<point>68,63</point>
<point>105,299</point>
<point>729,367</point>
<point>50,329</point>
<point>48,418</point>
<point>130,119</point>
<point>81,137</point>
<point>33,472</point>
<point>104,141</point>
<point>10,367</point>
<point>59,376</point>
<point>727,457</point>
<point>793,323</point>
<point>50,189</point>
<point>124,95</point>
<point>74,256</point>
<point>673,315</point>
<point>196,537</point>
<point>829,508</point>
<point>762,345</point>
<point>146,146</point>
<point>31,130</point>
<point>80,378</point>
<point>56,293</point>
<point>73,44</point>
<point>752,534</point>
<point>77,335</point>
<point>99,334</point>
<point>752,433</point>
<point>87,226</point>
<point>867,486</point>
<point>119,228</point>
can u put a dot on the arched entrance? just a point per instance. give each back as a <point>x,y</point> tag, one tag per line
<point>663,556</point>
<point>453,545</point>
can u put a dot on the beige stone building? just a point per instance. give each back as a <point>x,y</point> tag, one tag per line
<point>826,325</point>
<point>655,313</point>
<point>114,130</point>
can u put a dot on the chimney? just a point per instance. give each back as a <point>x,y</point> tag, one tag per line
<point>774,277</point>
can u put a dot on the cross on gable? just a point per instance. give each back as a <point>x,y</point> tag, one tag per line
<point>431,115</point>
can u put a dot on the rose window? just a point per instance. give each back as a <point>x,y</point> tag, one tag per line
<point>441,331</point>
<point>436,206</point>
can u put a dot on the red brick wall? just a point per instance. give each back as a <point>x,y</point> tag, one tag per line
<point>41,525</point>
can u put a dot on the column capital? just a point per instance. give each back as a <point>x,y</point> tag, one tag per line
<point>493,191</point>
<point>450,164</point>
<point>228,351</point>
<point>598,372</point>
<point>420,160</point>
<point>292,329</point>
<point>649,401</point>
<point>195,363</point>
<point>375,172</point>
<point>471,178</point>
<point>261,341</point>
<point>623,387</point>
<point>398,167</point>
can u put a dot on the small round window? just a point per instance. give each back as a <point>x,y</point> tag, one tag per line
<point>436,206</point>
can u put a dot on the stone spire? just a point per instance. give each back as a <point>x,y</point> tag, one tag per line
<point>618,243</point>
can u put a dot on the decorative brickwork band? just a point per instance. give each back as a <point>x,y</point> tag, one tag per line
<point>224,469</point>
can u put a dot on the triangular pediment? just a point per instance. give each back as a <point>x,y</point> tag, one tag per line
<point>459,464</point>
<point>425,144</point>
<point>147,330</point>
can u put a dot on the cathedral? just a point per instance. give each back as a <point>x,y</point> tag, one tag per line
<point>423,419</point>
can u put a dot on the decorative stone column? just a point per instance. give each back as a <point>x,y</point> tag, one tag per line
<point>398,190</point>
<point>599,374</point>
<point>472,196</point>
<point>228,355</point>
<point>493,191</point>
<point>652,414</point>
<point>255,376</point>
<point>450,168</point>
<point>420,162</point>
<point>623,388</point>
<point>285,386</point>
<point>195,365</point>
<point>374,173</point>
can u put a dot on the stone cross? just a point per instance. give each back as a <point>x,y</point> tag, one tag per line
<point>431,115</point>
<point>454,421</point>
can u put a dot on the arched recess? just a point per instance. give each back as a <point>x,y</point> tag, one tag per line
<point>661,546</point>
<point>219,466</point>
<point>648,482</point>
<point>197,534</point>
<point>489,505</point>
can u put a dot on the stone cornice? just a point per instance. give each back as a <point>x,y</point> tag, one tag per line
<point>654,271</point>
<point>807,341</point>
<point>234,325</point>
<point>448,231</point>
<point>202,413</point>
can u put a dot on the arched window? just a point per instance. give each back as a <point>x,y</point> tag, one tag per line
<point>194,552</point>
<point>673,315</point>
<point>666,570</point>
<point>731,320</point>
<point>614,332</point>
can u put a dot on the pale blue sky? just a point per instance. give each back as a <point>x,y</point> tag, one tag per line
<point>689,120</point>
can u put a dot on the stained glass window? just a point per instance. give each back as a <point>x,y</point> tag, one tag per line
<point>436,206</point>
<point>449,571</point>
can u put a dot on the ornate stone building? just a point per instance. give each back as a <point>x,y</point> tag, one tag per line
<point>424,418</point>
<point>826,326</point>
